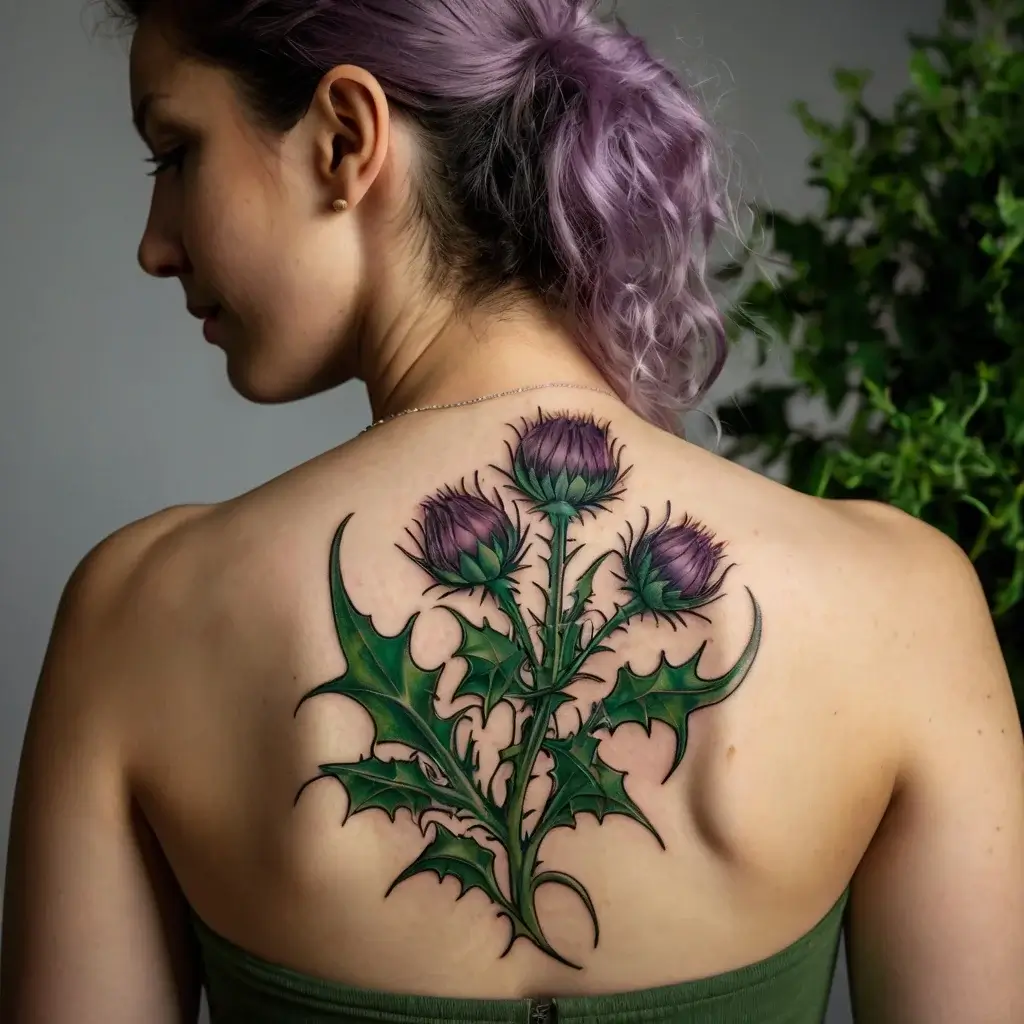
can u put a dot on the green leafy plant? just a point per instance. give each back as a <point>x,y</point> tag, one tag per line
<point>901,303</point>
<point>563,467</point>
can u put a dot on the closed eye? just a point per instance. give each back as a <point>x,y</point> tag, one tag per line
<point>166,162</point>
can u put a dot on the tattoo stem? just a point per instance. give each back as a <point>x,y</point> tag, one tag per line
<point>622,615</point>
<point>536,726</point>
<point>502,592</point>
<point>475,801</point>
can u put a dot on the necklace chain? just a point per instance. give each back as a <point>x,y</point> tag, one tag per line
<point>488,398</point>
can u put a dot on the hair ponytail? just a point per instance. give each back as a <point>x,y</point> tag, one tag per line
<point>633,200</point>
<point>557,154</point>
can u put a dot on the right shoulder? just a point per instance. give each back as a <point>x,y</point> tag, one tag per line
<point>901,536</point>
<point>922,576</point>
<point>936,919</point>
<point>116,564</point>
<point>106,610</point>
<point>921,598</point>
<point>120,592</point>
<point>119,565</point>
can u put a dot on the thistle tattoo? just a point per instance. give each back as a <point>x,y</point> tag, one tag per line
<point>560,468</point>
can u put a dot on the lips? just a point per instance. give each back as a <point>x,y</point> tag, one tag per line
<point>207,312</point>
<point>212,328</point>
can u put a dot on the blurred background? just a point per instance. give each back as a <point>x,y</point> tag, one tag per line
<point>876,350</point>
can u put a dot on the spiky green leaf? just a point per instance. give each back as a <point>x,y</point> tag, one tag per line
<point>584,588</point>
<point>389,786</point>
<point>585,784</point>
<point>494,664</point>
<point>671,693</point>
<point>461,857</point>
<point>382,676</point>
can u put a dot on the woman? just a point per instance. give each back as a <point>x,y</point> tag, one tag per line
<point>517,706</point>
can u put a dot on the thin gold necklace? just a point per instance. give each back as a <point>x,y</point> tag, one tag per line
<point>487,398</point>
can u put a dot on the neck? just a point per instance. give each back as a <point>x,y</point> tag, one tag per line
<point>441,360</point>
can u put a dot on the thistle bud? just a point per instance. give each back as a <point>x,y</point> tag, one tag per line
<point>670,569</point>
<point>566,464</point>
<point>467,540</point>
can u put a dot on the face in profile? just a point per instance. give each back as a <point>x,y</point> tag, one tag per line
<point>242,218</point>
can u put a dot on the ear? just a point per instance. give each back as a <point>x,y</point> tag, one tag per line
<point>353,131</point>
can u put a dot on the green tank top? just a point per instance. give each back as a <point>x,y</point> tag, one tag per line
<point>791,987</point>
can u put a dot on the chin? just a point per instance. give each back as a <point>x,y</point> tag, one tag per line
<point>263,385</point>
<point>256,389</point>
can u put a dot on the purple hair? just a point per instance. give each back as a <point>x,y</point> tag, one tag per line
<point>561,158</point>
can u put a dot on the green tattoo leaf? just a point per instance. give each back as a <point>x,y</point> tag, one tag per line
<point>584,589</point>
<point>494,661</point>
<point>382,676</point>
<point>389,786</point>
<point>460,857</point>
<point>584,784</point>
<point>398,694</point>
<point>671,693</point>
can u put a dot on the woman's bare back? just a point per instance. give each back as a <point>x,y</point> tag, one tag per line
<point>290,735</point>
<point>783,778</point>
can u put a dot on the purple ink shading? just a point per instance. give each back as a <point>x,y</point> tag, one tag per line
<point>466,539</point>
<point>669,569</point>
<point>567,464</point>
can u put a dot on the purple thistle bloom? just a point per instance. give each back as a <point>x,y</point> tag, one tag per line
<point>685,556</point>
<point>457,524</point>
<point>566,463</point>
<point>579,446</point>
<point>670,569</point>
<point>467,540</point>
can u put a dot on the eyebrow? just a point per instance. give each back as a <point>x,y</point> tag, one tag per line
<point>141,112</point>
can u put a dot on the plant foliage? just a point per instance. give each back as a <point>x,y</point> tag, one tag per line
<point>901,303</point>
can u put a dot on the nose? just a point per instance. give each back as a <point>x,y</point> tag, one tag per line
<point>161,253</point>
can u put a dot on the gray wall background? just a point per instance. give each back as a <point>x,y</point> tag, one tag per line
<point>112,406</point>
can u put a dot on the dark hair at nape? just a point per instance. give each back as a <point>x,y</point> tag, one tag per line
<point>559,158</point>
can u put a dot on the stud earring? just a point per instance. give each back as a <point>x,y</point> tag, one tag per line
<point>340,205</point>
